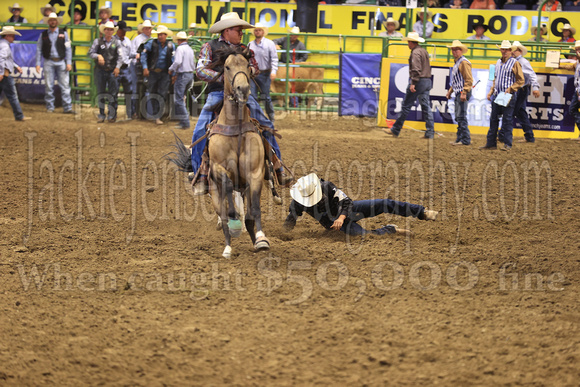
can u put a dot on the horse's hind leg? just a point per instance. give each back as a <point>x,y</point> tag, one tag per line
<point>220,208</point>
<point>254,216</point>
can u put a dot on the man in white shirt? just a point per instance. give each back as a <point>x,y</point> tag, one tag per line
<point>392,26</point>
<point>181,71</point>
<point>265,53</point>
<point>126,77</point>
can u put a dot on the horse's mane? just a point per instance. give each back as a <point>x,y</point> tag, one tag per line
<point>220,56</point>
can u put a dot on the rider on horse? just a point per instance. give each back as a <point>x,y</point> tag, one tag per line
<point>231,28</point>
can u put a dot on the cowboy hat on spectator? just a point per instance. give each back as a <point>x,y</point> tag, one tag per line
<point>261,27</point>
<point>457,43</point>
<point>106,9</point>
<point>229,20</point>
<point>14,6</point>
<point>181,35</point>
<point>146,23</point>
<point>108,24</point>
<point>569,28</point>
<point>163,30</point>
<point>47,6</point>
<point>429,14</point>
<point>518,46</point>
<point>543,29</point>
<point>391,20</point>
<point>294,30</point>
<point>52,16</point>
<point>413,37</point>
<point>9,30</point>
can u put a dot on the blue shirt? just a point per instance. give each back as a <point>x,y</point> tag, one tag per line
<point>6,59</point>
<point>183,61</point>
<point>429,27</point>
<point>162,54</point>
<point>52,36</point>
<point>127,47</point>
<point>529,74</point>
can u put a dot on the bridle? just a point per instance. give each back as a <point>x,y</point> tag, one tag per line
<point>232,97</point>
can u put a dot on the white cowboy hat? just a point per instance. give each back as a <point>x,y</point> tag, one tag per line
<point>107,9</point>
<point>14,6</point>
<point>576,44</point>
<point>181,35</point>
<point>518,46</point>
<point>429,14</point>
<point>163,30</point>
<point>294,30</point>
<point>543,29</point>
<point>229,20</point>
<point>192,26</point>
<point>391,20</point>
<point>570,28</point>
<point>9,30</point>
<point>413,37</point>
<point>307,190</point>
<point>261,27</point>
<point>146,23</point>
<point>47,6</point>
<point>108,24</point>
<point>505,44</point>
<point>52,16</point>
<point>457,43</point>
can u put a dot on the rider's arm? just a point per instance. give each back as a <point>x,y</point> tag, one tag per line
<point>202,71</point>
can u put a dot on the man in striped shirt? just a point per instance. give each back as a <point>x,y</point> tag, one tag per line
<point>461,83</point>
<point>531,82</point>
<point>509,78</point>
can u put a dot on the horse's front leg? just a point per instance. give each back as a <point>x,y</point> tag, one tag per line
<point>255,214</point>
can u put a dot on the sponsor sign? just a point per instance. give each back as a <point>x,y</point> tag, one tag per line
<point>359,85</point>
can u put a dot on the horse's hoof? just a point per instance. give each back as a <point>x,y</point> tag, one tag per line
<point>227,252</point>
<point>219,224</point>
<point>277,200</point>
<point>262,243</point>
<point>235,226</point>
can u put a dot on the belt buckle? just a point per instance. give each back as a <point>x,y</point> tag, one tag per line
<point>158,70</point>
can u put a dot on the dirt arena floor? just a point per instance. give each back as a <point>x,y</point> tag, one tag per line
<point>111,272</point>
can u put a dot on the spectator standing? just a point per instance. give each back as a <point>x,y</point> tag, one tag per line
<point>55,47</point>
<point>419,85</point>
<point>144,29</point>
<point>107,51</point>
<point>16,11</point>
<point>424,23</point>
<point>156,58</point>
<point>391,26</point>
<point>7,68</point>
<point>265,53</point>
<point>509,78</point>
<point>126,78</point>
<point>46,11</point>
<point>461,83</point>
<point>480,30</point>
<point>295,44</point>
<point>182,71</point>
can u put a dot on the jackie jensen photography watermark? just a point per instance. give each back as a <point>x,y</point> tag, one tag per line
<point>296,280</point>
<point>150,188</point>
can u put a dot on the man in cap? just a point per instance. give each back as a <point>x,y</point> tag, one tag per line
<point>156,59</point>
<point>424,24</point>
<point>543,31</point>
<point>334,210</point>
<point>55,47</point>
<point>230,28</point>
<point>144,29</point>
<point>78,17</point>
<point>508,79</point>
<point>460,84</point>
<point>16,11</point>
<point>418,89</point>
<point>295,44</point>
<point>480,30</point>
<point>46,11</point>
<point>126,77</point>
<point>531,84</point>
<point>575,103</point>
<point>182,70</point>
<point>391,26</point>
<point>7,68</point>
<point>265,53</point>
<point>107,51</point>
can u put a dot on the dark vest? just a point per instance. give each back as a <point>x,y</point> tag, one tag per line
<point>47,44</point>
<point>153,56</point>
<point>216,45</point>
<point>109,54</point>
<point>18,19</point>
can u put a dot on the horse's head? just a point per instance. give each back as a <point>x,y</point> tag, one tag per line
<point>237,77</point>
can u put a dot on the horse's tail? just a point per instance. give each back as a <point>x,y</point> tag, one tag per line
<point>181,156</point>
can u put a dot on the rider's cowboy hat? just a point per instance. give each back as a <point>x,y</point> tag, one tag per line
<point>569,28</point>
<point>9,30</point>
<point>429,14</point>
<point>47,6</point>
<point>518,46</point>
<point>391,20</point>
<point>261,27</point>
<point>163,30</point>
<point>108,24</point>
<point>14,6</point>
<point>181,35</point>
<point>52,16</point>
<point>106,9</point>
<point>457,43</point>
<point>505,44</point>
<point>543,29</point>
<point>229,20</point>
<point>307,190</point>
<point>413,37</point>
